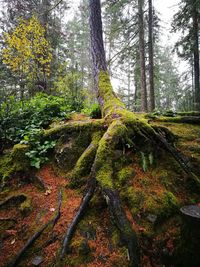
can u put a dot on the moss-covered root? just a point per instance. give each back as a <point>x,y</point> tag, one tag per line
<point>76,126</point>
<point>85,162</point>
<point>116,132</point>
<point>179,158</point>
<point>128,235</point>
<point>104,157</point>
<point>180,119</point>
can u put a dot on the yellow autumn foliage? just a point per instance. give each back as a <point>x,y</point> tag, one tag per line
<point>27,52</point>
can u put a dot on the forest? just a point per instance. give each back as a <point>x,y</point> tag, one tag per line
<point>99,133</point>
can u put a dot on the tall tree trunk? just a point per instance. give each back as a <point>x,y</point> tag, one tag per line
<point>151,59</point>
<point>196,54</point>
<point>129,84</point>
<point>142,56</point>
<point>102,84</point>
<point>97,47</point>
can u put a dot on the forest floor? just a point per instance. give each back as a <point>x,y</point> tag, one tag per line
<point>152,200</point>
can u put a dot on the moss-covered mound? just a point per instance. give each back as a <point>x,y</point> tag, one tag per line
<point>151,184</point>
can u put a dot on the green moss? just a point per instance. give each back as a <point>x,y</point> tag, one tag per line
<point>14,162</point>
<point>6,167</point>
<point>19,159</point>
<point>135,199</point>
<point>116,240</point>
<point>26,207</point>
<point>104,176</point>
<point>110,101</point>
<point>72,127</point>
<point>105,152</point>
<point>84,164</point>
<point>163,206</point>
<point>124,175</point>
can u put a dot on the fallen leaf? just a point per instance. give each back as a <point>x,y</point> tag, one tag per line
<point>12,242</point>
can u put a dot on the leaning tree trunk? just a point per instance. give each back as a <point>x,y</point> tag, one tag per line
<point>151,59</point>
<point>142,57</point>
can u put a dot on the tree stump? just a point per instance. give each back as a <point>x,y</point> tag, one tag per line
<point>190,236</point>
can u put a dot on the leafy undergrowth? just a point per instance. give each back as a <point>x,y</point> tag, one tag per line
<point>152,200</point>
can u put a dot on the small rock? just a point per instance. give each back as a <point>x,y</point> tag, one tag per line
<point>152,218</point>
<point>37,260</point>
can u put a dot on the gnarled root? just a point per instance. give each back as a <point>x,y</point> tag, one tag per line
<point>123,129</point>
<point>102,174</point>
<point>128,235</point>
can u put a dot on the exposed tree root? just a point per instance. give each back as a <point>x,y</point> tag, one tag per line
<point>75,126</point>
<point>183,162</point>
<point>84,204</point>
<point>30,242</point>
<point>123,128</point>
<point>84,163</point>
<point>103,172</point>
<point>180,119</point>
<point>128,236</point>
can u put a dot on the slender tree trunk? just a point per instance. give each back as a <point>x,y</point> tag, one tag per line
<point>129,83</point>
<point>142,56</point>
<point>45,8</point>
<point>151,59</point>
<point>196,54</point>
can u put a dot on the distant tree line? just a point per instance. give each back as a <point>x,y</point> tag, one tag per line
<point>143,70</point>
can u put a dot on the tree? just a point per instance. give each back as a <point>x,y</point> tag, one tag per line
<point>50,15</point>
<point>27,53</point>
<point>142,56</point>
<point>168,85</point>
<point>151,57</point>
<point>186,20</point>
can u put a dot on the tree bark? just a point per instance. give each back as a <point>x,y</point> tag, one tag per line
<point>196,54</point>
<point>97,47</point>
<point>151,59</point>
<point>142,56</point>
